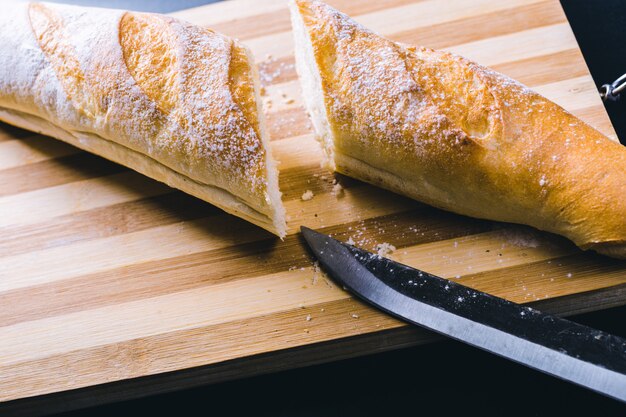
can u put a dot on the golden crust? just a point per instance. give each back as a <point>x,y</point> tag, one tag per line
<point>456,135</point>
<point>180,95</point>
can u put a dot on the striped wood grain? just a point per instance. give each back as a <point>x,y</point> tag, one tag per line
<point>107,276</point>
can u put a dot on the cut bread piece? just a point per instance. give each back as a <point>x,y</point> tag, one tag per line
<point>174,101</point>
<point>453,134</point>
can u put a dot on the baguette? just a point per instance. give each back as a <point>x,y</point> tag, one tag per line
<point>168,99</point>
<point>453,134</point>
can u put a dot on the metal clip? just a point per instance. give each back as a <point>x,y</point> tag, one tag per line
<point>612,91</point>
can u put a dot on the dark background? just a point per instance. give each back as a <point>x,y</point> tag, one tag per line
<point>442,378</point>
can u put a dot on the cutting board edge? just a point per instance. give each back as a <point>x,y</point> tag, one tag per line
<point>404,336</point>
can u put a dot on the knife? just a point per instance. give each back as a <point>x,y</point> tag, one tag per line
<point>576,353</point>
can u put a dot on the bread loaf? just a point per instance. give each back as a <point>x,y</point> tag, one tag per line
<point>446,131</point>
<point>171,100</point>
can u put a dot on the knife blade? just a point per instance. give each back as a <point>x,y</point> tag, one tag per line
<point>585,356</point>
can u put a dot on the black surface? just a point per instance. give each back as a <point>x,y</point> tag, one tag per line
<point>600,29</point>
<point>441,379</point>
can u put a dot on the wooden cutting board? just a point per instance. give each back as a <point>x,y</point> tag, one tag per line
<point>114,286</point>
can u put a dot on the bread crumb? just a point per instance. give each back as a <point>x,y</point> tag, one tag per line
<point>308,317</point>
<point>355,316</point>
<point>337,190</point>
<point>288,101</point>
<point>317,272</point>
<point>384,249</point>
<point>350,241</point>
<point>308,195</point>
